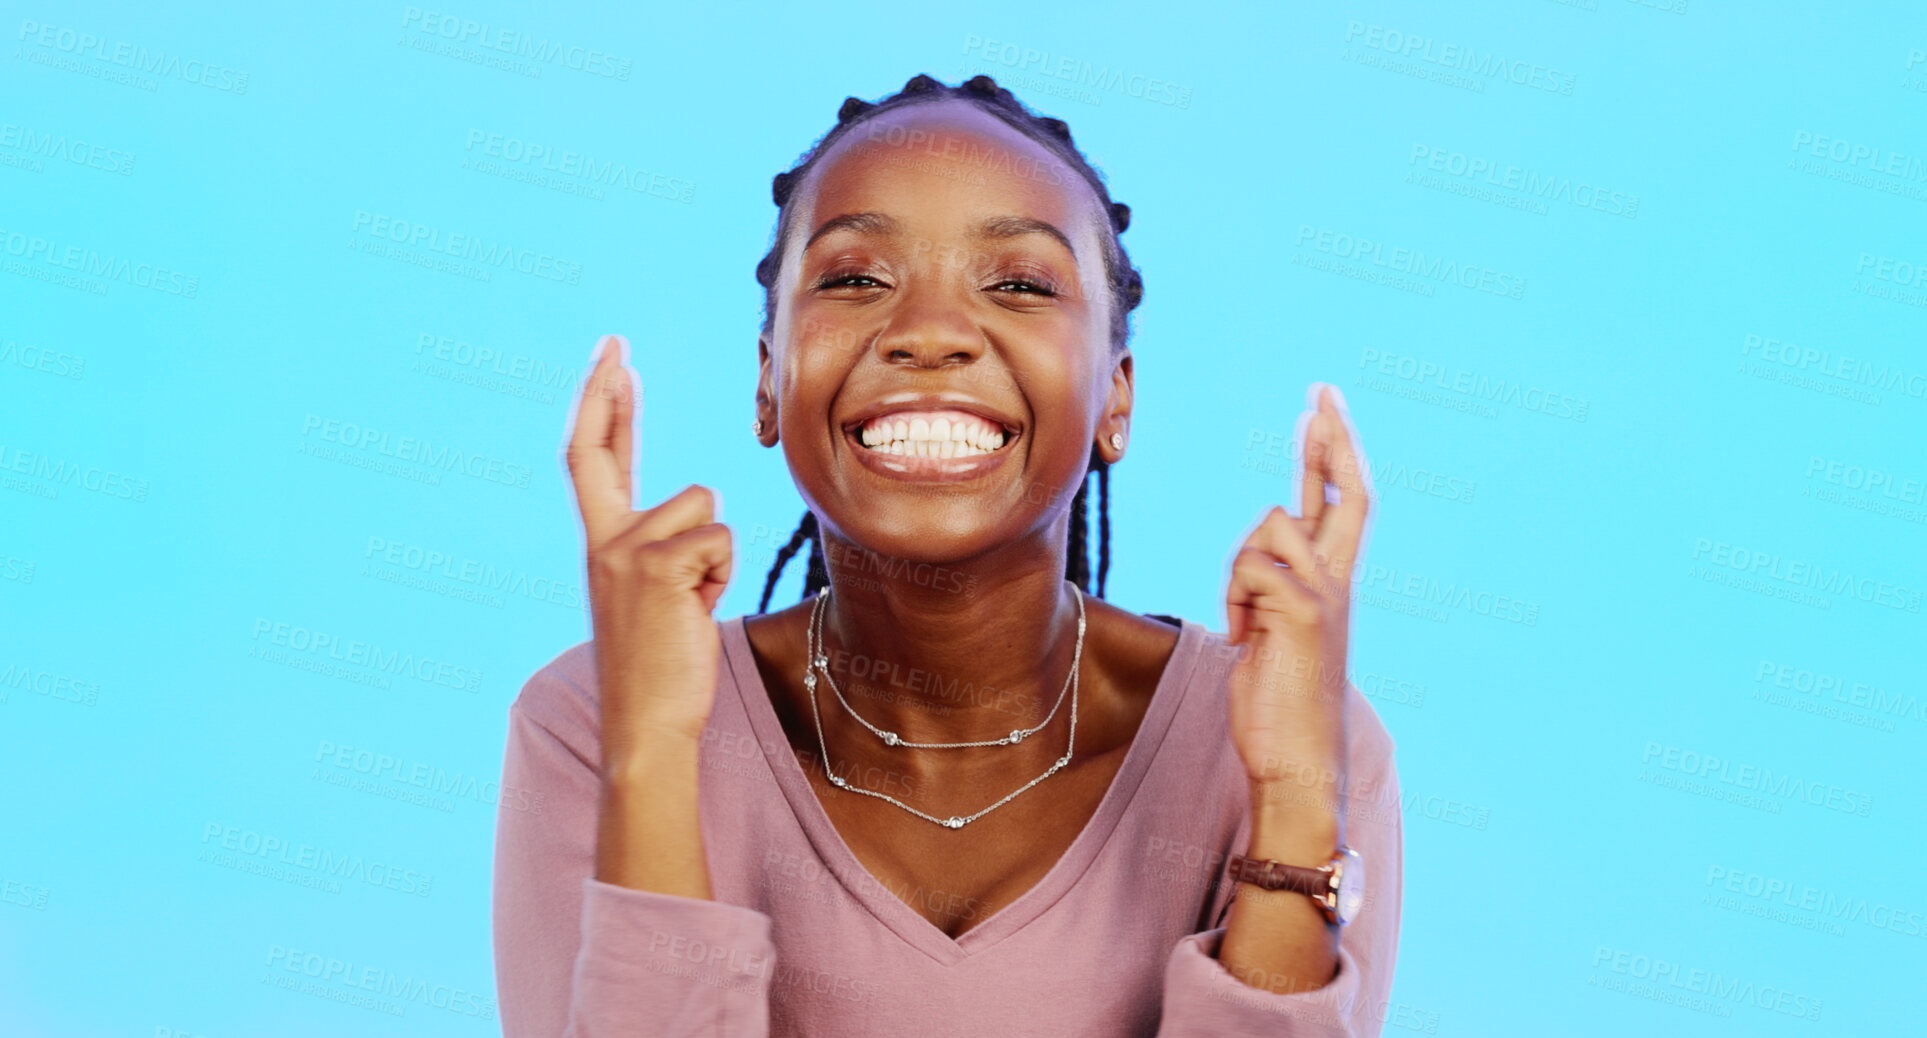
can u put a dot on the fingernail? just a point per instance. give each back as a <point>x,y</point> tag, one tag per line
<point>1338,397</point>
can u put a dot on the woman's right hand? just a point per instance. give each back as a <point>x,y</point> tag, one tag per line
<point>654,575</point>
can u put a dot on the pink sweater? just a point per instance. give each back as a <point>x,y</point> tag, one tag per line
<point>1118,938</point>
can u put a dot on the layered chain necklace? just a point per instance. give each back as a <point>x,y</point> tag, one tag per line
<point>819,661</point>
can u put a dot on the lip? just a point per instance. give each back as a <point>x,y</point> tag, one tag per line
<point>912,468</point>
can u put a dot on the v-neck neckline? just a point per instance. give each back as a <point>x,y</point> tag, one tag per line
<point>892,911</point>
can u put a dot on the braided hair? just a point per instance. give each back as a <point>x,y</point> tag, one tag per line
<point>1126,285</point>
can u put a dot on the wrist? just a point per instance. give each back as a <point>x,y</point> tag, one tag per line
<point>1295,834</point>
<point>641,756</point>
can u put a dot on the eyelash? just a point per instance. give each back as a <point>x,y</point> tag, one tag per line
<point>1031,286</point>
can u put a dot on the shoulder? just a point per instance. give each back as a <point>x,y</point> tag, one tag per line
<point>1134,647</point>
<point>561,696</point>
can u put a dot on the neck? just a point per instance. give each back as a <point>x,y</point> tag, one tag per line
<point>940,653</point>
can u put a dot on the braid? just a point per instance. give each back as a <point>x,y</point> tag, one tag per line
<point>1077,561</point>
<point>1103,524</point>
<point>805,531</point>
<point>1125,281</point>
<point>818,576</point>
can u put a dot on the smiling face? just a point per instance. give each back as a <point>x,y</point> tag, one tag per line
<point>939,361</point>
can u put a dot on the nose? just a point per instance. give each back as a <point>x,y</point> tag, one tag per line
<point>930,327</point>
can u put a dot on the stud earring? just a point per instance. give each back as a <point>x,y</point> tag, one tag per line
<point>1117,441</point>
<point>758,427</point>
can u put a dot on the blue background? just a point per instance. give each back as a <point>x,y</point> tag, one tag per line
<point>1718,334</point>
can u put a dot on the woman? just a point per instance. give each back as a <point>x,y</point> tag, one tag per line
<point>950,792</point>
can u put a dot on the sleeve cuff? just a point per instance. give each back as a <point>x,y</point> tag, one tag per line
<point>698,966</point>
<point>1202,997</point>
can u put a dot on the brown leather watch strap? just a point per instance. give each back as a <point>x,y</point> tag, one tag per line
<point>1276,875</point>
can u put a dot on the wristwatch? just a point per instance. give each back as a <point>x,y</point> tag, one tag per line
<point>1336,887</point>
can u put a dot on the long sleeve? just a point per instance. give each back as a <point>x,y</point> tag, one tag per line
<point>1202,998</point>
<point>578,958</point>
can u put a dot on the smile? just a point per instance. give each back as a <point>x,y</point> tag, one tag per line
<point>943,445</point>
<point>932,434</point>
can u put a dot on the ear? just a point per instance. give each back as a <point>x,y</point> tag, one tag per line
<point>1116,418</point>
<point>765,393</point>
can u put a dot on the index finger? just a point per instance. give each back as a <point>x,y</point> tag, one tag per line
<point>599,442</point>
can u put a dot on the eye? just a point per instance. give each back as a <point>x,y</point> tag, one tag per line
<point>847,278</point>
<point>1027,286</point>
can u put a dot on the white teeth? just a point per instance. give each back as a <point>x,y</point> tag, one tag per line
<point>942,437</point>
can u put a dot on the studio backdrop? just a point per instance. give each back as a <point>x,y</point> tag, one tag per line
<point>1628,299</point>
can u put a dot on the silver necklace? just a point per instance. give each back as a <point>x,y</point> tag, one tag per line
<point>822,662</point>
<point>954,821</point>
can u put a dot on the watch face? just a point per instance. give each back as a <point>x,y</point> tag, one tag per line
<point>1351,885</point>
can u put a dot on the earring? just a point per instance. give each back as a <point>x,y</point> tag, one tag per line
<point>758,427</point>
<point>1117,441</point>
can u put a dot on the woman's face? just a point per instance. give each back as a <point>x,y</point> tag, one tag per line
<point>943,280</point>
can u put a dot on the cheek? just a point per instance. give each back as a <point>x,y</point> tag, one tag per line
<point>809,376</point>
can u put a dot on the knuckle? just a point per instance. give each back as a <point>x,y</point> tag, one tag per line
<point>609,563</point>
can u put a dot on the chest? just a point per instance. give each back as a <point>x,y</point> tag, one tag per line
<point>958,878</point>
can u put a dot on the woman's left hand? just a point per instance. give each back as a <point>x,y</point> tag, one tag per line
<point>1288,603</point>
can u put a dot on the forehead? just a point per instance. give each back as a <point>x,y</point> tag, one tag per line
<point>966,161</point>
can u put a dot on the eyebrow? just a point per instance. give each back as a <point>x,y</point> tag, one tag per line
<point>995,227</point>
<point>862,223</point>
<point>1014,226</point>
